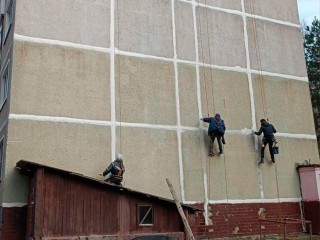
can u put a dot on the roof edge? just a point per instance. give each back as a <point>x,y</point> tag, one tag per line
<point>25,166</point>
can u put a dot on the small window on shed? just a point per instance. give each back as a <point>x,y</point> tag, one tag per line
<point>145,215</point>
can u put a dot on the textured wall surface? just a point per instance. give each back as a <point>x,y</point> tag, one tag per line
<point>93,78</point>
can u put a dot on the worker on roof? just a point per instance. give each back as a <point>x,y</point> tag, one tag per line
<point>116,168</point>
<point>268,131</point>
<point>216,129</point>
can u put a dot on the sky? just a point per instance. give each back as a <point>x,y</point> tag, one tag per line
<point>308,9</point>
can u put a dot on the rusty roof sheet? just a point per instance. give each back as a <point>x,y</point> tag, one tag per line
<point>26,166</point>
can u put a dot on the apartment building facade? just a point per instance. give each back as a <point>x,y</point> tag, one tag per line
<point>93,78</point>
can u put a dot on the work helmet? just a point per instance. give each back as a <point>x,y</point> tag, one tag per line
<point>119,157</point>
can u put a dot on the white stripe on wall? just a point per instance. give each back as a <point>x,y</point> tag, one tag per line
<point>112,81</point>
<point>177,96</point>
<point>253,108</point>
<point>244,14</point>
<point>202,143</point>
<point>40,118</point>
<point>18,37</point>
<point>10,205</point>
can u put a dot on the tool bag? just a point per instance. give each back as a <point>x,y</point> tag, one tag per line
<point>275,147</point>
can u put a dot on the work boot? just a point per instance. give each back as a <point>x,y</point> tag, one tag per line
<point>261,161</point>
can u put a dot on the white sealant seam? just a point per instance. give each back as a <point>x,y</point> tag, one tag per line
<point>176,76</point>
<point>303,79</point>
<point>112,80</point>
<point>251,92</point>
<point>297,135</point>
<point>243,13</point>
<point>246,42</point>
<point>61,43</point>
<point>273,20</point>
<point>39,118</point>
<point>272,200</point>
<point>158,127</point>
<point>17,204</point>
<point>140,55</point>
<point>202,144</point>
<point>247,131</point>
<point>192,202</point>
<point>213,66</point>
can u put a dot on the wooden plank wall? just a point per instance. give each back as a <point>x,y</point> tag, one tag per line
<point>73,208</point>
<point>76,207</point>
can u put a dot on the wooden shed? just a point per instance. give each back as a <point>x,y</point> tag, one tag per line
<point>67,205</point>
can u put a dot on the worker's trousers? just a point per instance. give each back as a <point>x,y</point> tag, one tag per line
<point>270,142</point>
<point>212,138</point>
<point>114,179</point>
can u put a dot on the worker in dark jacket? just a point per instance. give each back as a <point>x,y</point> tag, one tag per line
<point>268,131</point>
<point>116,168</point>
<point>216,129</point>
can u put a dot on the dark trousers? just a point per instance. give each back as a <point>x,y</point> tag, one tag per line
<point>268,141</point>
<point>212,138</point>
<point>114,179</point>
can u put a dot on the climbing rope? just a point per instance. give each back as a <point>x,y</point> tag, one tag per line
<point>227,195</point>
<point>204,71</point>
<point>208,40</point>
<point>262,90</point>
<point>258,57</point>
<point>213,105</point>
<point>278,195</point>
<point>226,180</point>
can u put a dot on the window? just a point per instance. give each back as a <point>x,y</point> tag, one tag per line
<point>1,30</point>
<point>4,86</point>
<point>145,215</point>
<point>1,156</point>
<point>9,18</point>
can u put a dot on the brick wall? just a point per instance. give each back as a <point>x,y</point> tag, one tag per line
<point>243,219</point>
<point>14,223</point>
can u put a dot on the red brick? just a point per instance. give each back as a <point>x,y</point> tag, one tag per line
<point>245,216</point>
<point>14,223</point>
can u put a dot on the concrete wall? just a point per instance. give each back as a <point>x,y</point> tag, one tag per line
<point>77,100</point>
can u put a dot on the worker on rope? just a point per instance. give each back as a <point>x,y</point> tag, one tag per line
<point>216,129</point>
<point>268,131</point>
<point>116,168</point>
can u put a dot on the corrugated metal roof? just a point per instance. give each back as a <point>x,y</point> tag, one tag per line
<point>26,167</point>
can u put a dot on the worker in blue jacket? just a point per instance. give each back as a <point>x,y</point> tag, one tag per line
<point>216,129</point>
<point>116,168</point>
<point>268,131</point>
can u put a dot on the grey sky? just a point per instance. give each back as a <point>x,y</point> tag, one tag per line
<point>308,9</point>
